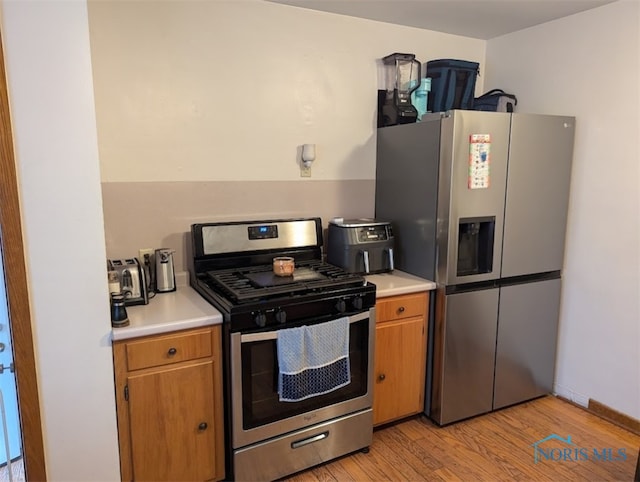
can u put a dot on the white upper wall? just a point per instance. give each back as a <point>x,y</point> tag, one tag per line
<point>228,90</point>
<point>48,65</point>
<point>588,65</point>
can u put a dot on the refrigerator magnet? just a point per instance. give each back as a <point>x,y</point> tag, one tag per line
<point>479,160</point>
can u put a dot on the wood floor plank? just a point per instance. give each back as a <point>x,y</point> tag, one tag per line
<point>446,474</point>
<point>388,450</point>
<point>494,447</point>
<point>592,429</point>
<point>324,474</point>
<point>373,464</point>
<point>339,472</point>
<point>461,453</point>
<point>412,429</point>
<point>411,449</point>
<point>411,452</point>
<point>351,467</point>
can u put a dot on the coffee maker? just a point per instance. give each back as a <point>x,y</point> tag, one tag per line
<point>402,77</point>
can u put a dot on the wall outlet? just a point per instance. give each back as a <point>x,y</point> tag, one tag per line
<point>305,171</point>
<point>146,251</point>
<point>149,266</point>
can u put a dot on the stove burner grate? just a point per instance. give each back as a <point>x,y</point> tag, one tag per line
<point>259,282</point>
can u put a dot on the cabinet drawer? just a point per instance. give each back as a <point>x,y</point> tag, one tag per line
<point>164,350</point>
<point>403,306</point>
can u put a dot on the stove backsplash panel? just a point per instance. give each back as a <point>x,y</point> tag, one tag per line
<point>159,214</point>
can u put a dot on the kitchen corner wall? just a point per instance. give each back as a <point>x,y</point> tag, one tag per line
<point>48,65</point>
<point>202,108</point>
<point>587,65</point>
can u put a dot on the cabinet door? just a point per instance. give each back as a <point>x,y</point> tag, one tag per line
<point>172,423</point>
<point>399,369</point>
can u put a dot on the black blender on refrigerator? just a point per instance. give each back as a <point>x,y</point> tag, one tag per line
<point>402,77</point>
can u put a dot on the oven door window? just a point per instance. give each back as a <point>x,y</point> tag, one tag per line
<point>261,404</point>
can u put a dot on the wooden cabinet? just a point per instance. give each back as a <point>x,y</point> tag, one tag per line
<point>169,402</point>
<point>400,357</point>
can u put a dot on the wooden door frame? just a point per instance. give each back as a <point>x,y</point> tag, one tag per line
<point>18,295</point>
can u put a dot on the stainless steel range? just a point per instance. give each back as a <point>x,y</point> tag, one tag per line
<point>268,438</point>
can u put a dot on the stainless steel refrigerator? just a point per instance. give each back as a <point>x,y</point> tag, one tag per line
<point>478,203</point>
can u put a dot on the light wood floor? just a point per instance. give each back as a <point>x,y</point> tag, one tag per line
<point>492,447</point>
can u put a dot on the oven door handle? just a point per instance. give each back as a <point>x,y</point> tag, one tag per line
<point>273,335</point>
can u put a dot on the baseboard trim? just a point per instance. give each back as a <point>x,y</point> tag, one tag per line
<point>607,413</point>
<point>614,416</point>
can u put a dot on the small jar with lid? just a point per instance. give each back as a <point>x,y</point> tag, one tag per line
<point>119,315</point>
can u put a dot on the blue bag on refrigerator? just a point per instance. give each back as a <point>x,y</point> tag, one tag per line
<point>496,100</point>
<point>453,84</point>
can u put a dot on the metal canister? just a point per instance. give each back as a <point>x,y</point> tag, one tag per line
<point>119,315</point>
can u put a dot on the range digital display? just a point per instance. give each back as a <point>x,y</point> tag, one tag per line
<point>267,231</point>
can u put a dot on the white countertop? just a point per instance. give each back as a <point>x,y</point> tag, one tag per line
<point>166,312</point>
<point>399,283</point>
<point>186,308</point>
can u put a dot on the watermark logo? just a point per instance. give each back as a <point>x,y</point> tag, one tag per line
<point>570,452</point>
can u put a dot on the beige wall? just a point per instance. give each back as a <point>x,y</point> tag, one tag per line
<point>159,214</point>
<point>228,90</point>
<point>202,108</point>
<point>587,65</point>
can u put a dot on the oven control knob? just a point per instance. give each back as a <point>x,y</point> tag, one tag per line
<point>260,319</point>
<point>281,316</point>
<point>357,303</point>
<point>341,306</point>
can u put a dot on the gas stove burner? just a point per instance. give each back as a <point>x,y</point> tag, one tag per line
<point>258,282</point>
<point>233,269</point>
<point>265,279</point>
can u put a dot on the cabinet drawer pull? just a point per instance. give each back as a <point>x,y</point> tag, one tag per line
<point>172,351</point>
<point>203,426</point>
<point>401,309</point>
<point>382,376</point>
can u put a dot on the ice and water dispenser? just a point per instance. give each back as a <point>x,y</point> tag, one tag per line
<point>475,245</point>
